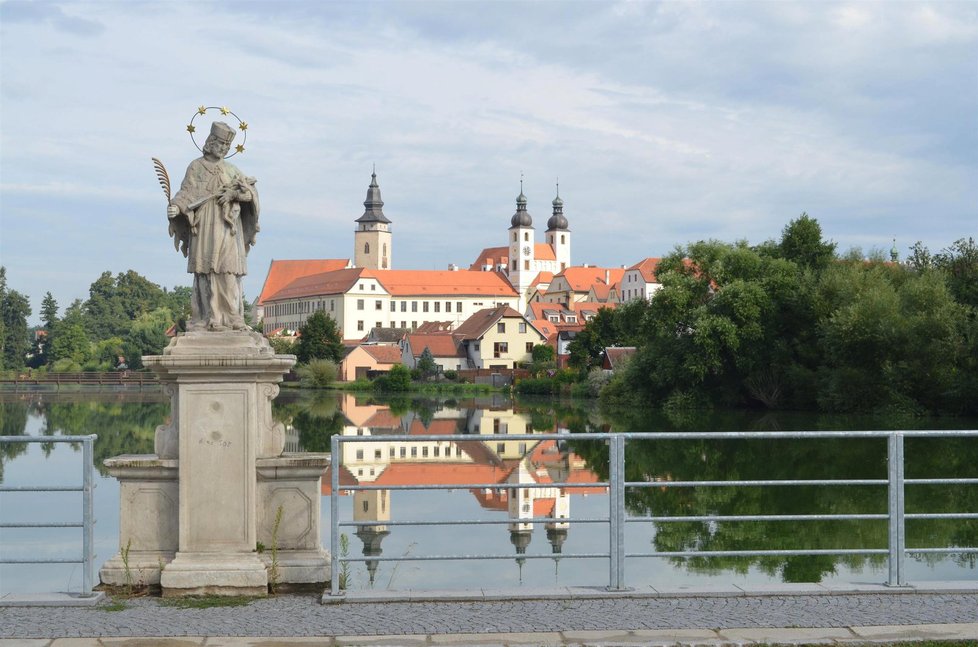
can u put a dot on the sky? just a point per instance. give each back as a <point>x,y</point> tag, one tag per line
<point>665,123</point>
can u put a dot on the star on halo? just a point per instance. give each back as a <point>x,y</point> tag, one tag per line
<point>239,148</point>
<point>225,110</point>
<point>202,110</point>
<point>243,125</point>
<point>191,128</point>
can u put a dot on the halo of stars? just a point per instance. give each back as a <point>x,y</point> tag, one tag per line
<point>224,110</point>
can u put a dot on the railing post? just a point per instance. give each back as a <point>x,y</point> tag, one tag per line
<point>616,512</point>
<point>896,509</point>
<point>88,521</point>
<point>334,511</point>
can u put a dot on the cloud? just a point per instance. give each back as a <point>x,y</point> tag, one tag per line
<point>666,122</point>
<point>30,11</point>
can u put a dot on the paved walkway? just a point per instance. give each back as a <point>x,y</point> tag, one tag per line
<point>574,617</point>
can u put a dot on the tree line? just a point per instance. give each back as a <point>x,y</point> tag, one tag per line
<point>792,324</point>
<point>125,317</point>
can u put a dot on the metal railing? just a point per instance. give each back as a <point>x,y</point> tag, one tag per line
<point>87,524</point>
<point>617,520</point>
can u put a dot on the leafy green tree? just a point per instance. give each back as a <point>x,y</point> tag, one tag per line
<point>317,374</point>
<point>801,242</point>
<point>960,262</point>
<point>68,338</point>
<point>398,379</point>
<point>427,366</point>
<point>319,338</point>
<point>147,336</point>
<point>15,339</point>
<point>598,333</point>
<point>49,311</point>
<point>543,353</point>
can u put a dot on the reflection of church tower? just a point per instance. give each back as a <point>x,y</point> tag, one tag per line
<point>372,240</point>
<point>520,508</point>
<point>558,235</point>
<point>371,505</point>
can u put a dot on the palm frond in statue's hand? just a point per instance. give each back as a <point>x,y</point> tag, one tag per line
<point>163,177</point>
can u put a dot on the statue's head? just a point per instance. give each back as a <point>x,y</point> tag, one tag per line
<point>219,140</point>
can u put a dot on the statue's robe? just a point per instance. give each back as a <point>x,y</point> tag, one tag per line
<point>216,239</point>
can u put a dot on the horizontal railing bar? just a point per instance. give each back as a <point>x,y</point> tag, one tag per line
<point>53,488</point>
<point>46,439</point>
<point>961,481</point>
<point>653,484</point>
<point>433,558</point>
<point>470,522</point>
<point>685,435</point>
<point>472,486</point>
<point>761,517</point>
<point>942,550</point>
<point>7,560</point>
<point>941,515</point>
<point>761,553</point>
<point>42,524</point>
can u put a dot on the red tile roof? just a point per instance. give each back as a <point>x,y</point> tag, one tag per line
<point>581,278</point>
<point>500,256</point>
<point>647,268</point>
<point>440,344</point>
<point>383,353</point>
<point>281,273</point>
<point>476,325</point>
<point>401,283</point>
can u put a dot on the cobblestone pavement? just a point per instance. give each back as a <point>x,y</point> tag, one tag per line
<point>297,615</point>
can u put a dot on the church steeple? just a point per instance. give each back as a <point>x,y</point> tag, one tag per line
<point>558,233</point>
<point>373,205</point>
<point>372,240</point>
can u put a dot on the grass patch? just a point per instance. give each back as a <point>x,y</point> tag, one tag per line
<point>206,601</point>
<point>115,604</point>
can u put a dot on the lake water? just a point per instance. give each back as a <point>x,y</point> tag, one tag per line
<point>125,423</point>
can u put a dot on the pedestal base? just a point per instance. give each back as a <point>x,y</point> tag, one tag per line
<point>215,574</point>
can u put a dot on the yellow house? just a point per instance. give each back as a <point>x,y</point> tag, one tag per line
<point>498,338</point>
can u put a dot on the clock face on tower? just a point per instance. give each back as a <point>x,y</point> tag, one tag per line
<point>526,250</point>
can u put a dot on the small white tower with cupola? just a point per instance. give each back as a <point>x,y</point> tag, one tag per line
<point>522,267</point>
<point>372,240</point>
<point>558,235</point>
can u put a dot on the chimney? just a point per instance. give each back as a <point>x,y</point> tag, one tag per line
<point>607,277</point>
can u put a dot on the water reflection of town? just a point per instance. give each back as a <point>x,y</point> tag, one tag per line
<point>503,463</point>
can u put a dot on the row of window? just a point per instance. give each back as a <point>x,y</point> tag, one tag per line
<point>402,452</point>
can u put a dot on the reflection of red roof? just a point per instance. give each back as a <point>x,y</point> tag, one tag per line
<point>346,478</point>
<point>440,474</point>
<point>383,419</point>
<point>437,427</point>
<point>281,273</point>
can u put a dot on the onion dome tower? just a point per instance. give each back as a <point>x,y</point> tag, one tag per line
<point>558,235</point>
<point>372,240</point>
<point>521,267</point>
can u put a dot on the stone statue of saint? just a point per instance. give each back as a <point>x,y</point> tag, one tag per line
<point>213,220</point>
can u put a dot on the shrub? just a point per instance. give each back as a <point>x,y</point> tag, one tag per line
<point>317,374</point>
<point>451,375</point>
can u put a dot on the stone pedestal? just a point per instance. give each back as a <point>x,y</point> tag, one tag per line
<point>289,488</point>
<point>193,516</point>
<point>148,514</point>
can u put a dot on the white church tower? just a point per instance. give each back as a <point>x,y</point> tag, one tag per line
<point>558,235</point>
<point>522,266</point>
<point>372,240</point>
